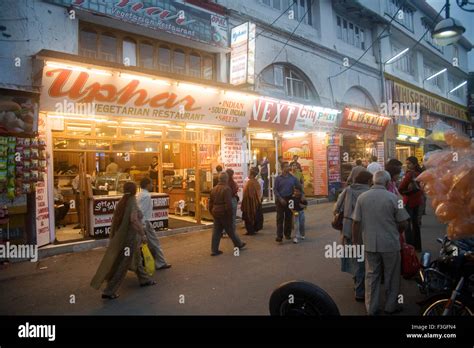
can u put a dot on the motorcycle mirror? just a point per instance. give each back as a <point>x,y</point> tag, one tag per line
<point>425,259</point>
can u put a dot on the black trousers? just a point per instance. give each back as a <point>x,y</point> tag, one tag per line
<point>222,224</point>
<point>265,185</point>
<point>284,219</point>
<point>412,234</point>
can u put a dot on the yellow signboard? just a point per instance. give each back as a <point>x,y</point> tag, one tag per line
<point>406,130</point>
<point>419,153</point>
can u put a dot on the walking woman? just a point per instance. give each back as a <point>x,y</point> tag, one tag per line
<point>252,204</point>
<point>346,204</point>
<point>235,197</point>
<point>413,200</point>
<point>123,252</point>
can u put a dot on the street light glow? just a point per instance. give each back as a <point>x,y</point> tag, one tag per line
<point>458,86</point>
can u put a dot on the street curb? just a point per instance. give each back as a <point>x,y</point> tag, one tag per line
<point>58,249</point>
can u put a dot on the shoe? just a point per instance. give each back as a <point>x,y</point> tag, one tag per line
<point>279,240</point>
<point>303,237</point>
<point>217,253</point>
<point>242,246</point>
<point>148,283</point>
<point>287,237</point>
<point>164,267</point>
<point>359,299</point>
<point>295,240</point>
<point>224,235</point>
<point>110,297</point>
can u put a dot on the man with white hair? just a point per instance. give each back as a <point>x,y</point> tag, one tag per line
<point>377,219</point>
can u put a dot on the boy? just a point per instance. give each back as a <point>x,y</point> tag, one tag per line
<point>297,204</point>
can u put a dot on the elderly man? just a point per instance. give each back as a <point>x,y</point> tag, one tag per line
<point>355,171</point>
<point>220,206</point>
<point>377,218</point>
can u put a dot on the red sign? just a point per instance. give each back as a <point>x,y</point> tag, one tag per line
<point>363,121</point>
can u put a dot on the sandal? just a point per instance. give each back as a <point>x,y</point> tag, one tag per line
<point>148,283</point>
<point>110,297</point>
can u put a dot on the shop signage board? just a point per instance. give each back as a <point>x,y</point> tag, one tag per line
<point>362,121</point>
<point>403,93</point>
<point>242,58</point>
<point>419,153</point>
<point>334,163</point>
<point>174,17</point>
<point>380,146</point>
<point>286,116</point>
<point>334,139</point>
<point>71,92</point>
<point>232,157</point>
<point>103,207</point>
<point>320,171</point>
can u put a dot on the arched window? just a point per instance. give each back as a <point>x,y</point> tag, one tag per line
<point>179,61</point>
<point>108,47</point>
<point>195,65</point>
<point>88,43</point>
<point>146,55</point>
<point>129,52</point>
<point>164,58</point>
<point>288,80</point>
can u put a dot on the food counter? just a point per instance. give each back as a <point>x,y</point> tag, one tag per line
<point>102,207</point>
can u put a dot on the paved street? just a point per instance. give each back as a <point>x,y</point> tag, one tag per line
<point>225,285</point>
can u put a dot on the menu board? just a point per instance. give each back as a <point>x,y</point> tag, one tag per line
<point>334,163</point>
<point>232,158</point>
<point>302,148</point>
<point>320,172</point>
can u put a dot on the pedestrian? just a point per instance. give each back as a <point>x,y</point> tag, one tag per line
<point>235,197</point>
<point>280,164</point>
<point>113,167</point>
<point>295,162</point>
<point>123,252</point>
<point>264,175</point>
<point>153,173</point>
<point>252,204</point>
<point>61,207</point>
<point>346,203</point>
<point>220,206</point>
<point>355,171</point>
<point>215,179</point>
<point>146,207</point>
<point>285,184</point>
<point>377,222</point>
<point>296,172</point>
<point>374,166</point>
<point>413,201</point>
<point>394,168</point>
<point>298,204</point>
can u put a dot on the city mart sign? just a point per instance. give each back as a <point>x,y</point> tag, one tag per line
<point>173,17</point>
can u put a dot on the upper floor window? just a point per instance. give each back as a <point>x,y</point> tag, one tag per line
<point>293,83</point>
<point>429,39</point>
<point>437,81</point>
<point>350,33</point>
<point>132,50</point>
<point>403,13</point>
<point>405,63</point>
<point>299,10</point>
<point>454,82</point>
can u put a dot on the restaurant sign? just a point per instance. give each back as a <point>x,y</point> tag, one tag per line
<point>70,92</point>
<point>174,17</point>
<point>362,121</point>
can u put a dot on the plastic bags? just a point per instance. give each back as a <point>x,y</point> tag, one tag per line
<point>449,181</point>
<point>148,261</point>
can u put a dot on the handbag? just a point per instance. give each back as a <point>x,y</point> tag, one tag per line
<point>148,260</point>
<point>337,221</point>
<point>410,262</point>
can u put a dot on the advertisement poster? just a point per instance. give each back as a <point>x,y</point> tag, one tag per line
<point>242,59</point>
<point>42,213</point>
<point>320,173</point>
<point>232,157</point>
<point>381,153</point>
<point>302,148</point>
<point>334,163</point>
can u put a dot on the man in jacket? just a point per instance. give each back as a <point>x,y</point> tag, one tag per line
<point>220,206</point>
<point>377,218</point>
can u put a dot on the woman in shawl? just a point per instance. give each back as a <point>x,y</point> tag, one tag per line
<point>252,204</point>
<point>346,204</point>
<point>123,252</point>
<point>235,198</point>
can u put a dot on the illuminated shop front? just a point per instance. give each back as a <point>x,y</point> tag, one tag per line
<point>410,142</point>
<point>96,115</point>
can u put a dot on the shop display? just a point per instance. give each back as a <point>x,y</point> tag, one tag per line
<point>22,163</point>
<point>448,181</point>
<point>17,115</point>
